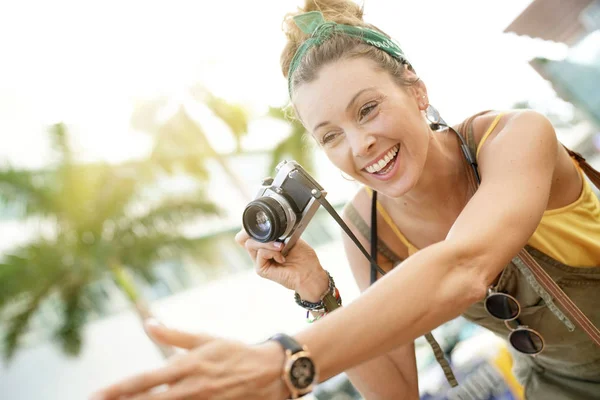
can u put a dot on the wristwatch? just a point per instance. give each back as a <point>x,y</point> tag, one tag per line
<point>299,370</point>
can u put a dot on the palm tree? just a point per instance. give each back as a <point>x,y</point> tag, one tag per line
<point>182,141</point>
<point>297,145</point>
<point>97,220</point>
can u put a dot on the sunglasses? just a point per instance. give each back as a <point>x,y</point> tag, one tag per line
<point>505,307</point>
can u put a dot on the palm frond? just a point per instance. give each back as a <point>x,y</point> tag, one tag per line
<point>116,189</point>
<point>297,145</point>
<point>167,215</point>
<point>30,269</point>
<point>27,192</point>
<point>234,116</point>
<point>60,142</point>
<point>142,253</point>
<point>145,116</point>
<point>180,144</point>
<point>73,320</point>
<point>16,325</point>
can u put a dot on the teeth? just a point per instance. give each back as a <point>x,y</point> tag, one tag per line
<point>378,166</point>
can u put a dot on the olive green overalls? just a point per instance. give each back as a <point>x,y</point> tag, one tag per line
<point>569,365</point>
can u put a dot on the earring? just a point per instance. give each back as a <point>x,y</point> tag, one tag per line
<point>434,118</point>
<point>346,177</point>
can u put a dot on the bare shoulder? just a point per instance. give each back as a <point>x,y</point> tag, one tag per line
<point>522,127</point>
<point>527,121</point>
<point>360,201</point>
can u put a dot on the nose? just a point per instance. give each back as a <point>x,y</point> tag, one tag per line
<point>361,143</point>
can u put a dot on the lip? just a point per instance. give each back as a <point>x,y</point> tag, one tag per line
<point>392,172</point>
<point>380,157</point>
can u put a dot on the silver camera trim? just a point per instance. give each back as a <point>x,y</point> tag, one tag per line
<point>290,215</point>
<point>271,187</point>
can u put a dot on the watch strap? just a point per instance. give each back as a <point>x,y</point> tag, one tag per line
<point>287,342</point>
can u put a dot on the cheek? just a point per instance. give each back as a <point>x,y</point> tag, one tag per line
<point>338,156</point>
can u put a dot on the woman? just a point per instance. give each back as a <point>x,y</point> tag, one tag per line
<point>363,102</point>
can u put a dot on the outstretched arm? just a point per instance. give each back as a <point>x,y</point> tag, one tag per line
<point>431,287</point>
<point>441,281</point>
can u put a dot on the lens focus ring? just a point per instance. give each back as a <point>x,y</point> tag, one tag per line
<point>264,219</point>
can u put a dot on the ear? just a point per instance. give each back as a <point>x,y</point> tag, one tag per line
<point>419,92</point>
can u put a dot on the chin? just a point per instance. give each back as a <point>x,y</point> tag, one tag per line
<point>393,191</point>
<point>399,185</point>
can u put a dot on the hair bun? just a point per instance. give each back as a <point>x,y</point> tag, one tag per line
<point>344,12</point>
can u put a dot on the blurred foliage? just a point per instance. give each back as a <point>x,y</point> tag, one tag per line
<point>98,220</point>
<point>296,146</point>
<point>182,143</point>
<point>93,219</point>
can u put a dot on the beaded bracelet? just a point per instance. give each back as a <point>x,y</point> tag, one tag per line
<point>320,305</point>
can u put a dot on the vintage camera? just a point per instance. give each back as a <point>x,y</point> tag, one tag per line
<point>283,206</point>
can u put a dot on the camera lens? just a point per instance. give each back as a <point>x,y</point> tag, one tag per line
<point>264,219</point>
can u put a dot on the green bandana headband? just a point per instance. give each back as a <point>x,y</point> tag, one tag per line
<point>320,30</point>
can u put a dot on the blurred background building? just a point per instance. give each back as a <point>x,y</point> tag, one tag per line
<point>576,77</point>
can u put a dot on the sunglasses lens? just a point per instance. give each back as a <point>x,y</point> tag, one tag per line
<point>526,341</point>
<point>502,306</point>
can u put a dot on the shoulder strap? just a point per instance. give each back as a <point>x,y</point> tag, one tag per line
<point>364,229</point>
<point>591,173</point>
<point>437,351</point>
<point>466,130</point>
<point>526,263</point>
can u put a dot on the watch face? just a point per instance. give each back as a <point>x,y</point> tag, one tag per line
<point>302,373</point>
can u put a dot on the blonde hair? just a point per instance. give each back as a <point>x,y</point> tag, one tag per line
<point>338,46</point>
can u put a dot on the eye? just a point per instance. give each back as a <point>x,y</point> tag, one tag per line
<point>328,137</point>
<point>366,110</point>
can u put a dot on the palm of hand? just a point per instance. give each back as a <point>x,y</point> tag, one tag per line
<point>212,368</point>
<point>300,263</point>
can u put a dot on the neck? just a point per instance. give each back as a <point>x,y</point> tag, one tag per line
<point>443,185</point>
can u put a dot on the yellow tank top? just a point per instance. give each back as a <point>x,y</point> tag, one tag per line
<point>570,234</point>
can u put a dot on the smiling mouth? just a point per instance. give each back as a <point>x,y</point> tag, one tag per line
<point>385,164</point>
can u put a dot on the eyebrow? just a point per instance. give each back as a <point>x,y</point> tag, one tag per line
<point>350,104</point>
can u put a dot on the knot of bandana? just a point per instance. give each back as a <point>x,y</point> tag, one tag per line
<point>314,24</point>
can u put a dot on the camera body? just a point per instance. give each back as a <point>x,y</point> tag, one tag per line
<point>283,206</point>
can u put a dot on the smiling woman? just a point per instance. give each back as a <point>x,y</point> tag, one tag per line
<point>491,219</point>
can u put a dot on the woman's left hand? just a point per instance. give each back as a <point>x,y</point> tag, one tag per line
<point>212,368</point>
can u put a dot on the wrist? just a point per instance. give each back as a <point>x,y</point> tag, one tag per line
<point>314,286</point>
<point>273,363</point>
<point>299,372</point>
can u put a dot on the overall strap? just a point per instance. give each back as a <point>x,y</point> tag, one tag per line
<point>591,173</point>
<point>535,274</point>
<point>435,347</point>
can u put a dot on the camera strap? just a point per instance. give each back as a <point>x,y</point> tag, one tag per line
<point>318,195</point>
<point>374,236</point>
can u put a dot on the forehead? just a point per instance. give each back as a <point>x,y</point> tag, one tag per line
<point>335,86</point>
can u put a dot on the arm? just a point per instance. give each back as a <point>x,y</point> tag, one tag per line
<point>391,375</point>
<point>431,287</point>
<point>441,281</point>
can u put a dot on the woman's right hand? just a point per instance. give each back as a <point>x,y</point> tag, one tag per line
<point>300,270</point>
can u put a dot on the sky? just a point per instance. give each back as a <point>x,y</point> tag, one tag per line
<point>89,63</point>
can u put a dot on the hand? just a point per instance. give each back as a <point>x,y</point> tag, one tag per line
<point>300,270</point>
<point>213,368</point>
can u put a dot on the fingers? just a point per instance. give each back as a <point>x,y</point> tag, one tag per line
<point>181,390</point>
<point>264,256</point>
<point>253,245</point>
<point>174,337</point>
<point>241,237</point>
<point>143,382</point>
